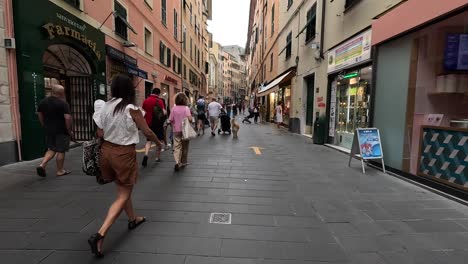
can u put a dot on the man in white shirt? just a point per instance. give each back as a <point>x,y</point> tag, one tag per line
<point>214,109</point>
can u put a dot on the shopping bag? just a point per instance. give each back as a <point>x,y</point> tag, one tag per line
<point>90,163</point>
<point>187,130</point>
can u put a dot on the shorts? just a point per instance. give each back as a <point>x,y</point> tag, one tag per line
<point>59,143</point>
<point>159,132</point>
<point>214,120</point>
<point>201,117</point>
<point>119,163</point>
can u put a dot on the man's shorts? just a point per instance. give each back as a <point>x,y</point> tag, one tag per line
<point>201,117</point>
<point>59,143</point>
<point>159,132</point>
<point>214,120</point>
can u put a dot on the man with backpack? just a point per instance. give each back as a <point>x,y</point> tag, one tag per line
<point>155,116</point>
<point>201,116</point>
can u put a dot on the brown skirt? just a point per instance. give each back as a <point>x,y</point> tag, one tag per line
<point>119,163</point>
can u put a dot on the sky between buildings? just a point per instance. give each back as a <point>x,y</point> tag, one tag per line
<point>230,22</point>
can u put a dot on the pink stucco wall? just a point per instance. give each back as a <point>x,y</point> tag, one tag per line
<point>410,15</point>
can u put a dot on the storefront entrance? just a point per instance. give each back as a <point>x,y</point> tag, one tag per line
<point>65,66</point>
<point>352,102</point>
<point>310,103</point>
<point>55,47</point>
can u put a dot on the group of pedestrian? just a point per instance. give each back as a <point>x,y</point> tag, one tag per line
<point>118,124</point>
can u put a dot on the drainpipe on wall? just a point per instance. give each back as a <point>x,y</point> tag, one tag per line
<point>13,77</point>
<point>322,35</point>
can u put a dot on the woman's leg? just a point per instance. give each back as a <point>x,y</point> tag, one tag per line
<point>185,146</point>
<point>177,149</point>
<point>123,196</point>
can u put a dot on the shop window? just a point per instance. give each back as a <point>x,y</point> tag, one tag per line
<point>148,42</point>
<point>74,3</point>
<point>288,45</point>
<point>311,23</point>
<point>176,24</point>
<point>163,12</point>
<point>350,3</point>
<point>272,20</point>
<point>290,2</point>
<point>120,21</point>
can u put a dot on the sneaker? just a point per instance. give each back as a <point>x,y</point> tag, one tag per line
<point>168,146</point>
<point>213,133</point>
<point>176,167</point>
<point>144,163</point>
<point>157,160</point>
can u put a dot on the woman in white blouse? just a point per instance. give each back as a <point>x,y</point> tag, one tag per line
<point>118,122</point>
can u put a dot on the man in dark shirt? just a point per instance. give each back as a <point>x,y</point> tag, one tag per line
<point>54,115</point>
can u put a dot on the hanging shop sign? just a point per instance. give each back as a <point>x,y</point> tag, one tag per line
<point>354,51</point>
<point>367,145</point>
<point>170,79</point>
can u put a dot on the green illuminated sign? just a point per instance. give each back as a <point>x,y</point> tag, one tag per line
<point>350,75</point>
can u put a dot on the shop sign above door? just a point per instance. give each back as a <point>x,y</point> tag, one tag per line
<point>60,30</point>
<point>120,56</point>
<point>353,51</point>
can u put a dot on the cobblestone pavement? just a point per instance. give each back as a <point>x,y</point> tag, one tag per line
<point>295,203</point>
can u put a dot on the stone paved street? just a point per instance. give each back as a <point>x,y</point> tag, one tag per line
<point>295,203</point>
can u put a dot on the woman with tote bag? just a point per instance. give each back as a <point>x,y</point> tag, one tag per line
<point>180,119</point>
<point>118,123</point>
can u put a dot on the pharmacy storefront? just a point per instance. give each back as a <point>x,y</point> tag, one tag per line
<point>350,79</point>
<point>55,47</point>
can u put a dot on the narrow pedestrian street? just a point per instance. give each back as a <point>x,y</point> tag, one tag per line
<point>294,203</point>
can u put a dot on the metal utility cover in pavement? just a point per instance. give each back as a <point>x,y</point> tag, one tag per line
<point>220,218</point>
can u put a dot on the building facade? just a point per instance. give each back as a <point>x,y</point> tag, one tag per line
<point>320,60</point>
<point>82,44</point>
<point>9,117</point>
<point>421,90</point>
<point>195,46</point>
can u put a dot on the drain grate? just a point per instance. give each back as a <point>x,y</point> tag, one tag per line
<point>220,218</point>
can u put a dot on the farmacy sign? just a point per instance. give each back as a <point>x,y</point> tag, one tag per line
<point>354,51</point>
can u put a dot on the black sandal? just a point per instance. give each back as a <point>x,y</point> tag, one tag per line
<point>93,243</point>
<point>134,224</point>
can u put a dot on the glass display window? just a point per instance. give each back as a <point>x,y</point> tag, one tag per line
<point>352,104</point>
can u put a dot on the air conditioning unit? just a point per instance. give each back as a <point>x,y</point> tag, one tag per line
<point>10,43</point>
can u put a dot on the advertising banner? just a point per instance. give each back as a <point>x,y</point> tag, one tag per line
<point>369,143</point>
<point>354,51</point>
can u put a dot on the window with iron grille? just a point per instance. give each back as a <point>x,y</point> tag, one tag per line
<point>185,72</point>
<point>289,45</point>
<point>74,3</point>
<point>350,3</point>
<point>120,21</point>
<point>163,12</point>
<point>311,23</point>
<point>176,24</point>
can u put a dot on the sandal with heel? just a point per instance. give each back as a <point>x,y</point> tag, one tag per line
<point>134,224</point>
<point>93,243</point>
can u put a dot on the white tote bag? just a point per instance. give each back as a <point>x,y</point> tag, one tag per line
<point>187,130</point>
